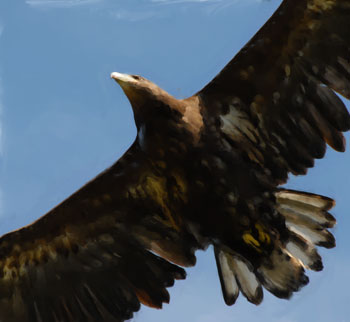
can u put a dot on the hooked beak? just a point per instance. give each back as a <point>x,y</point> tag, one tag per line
<point>122,78</point>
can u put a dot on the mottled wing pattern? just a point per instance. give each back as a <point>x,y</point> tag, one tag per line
<point>276,98</point>
<point>92,258</point>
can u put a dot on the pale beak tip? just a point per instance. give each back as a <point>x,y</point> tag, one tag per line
<point>122,78</point>
<point>114,75</point>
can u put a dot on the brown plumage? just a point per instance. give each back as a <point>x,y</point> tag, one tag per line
<point>203,170</point>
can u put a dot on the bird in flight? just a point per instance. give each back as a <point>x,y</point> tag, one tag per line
<point>205,170</point>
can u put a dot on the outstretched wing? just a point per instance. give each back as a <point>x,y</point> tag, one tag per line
<point>92,257</point>
<point>276,97</point>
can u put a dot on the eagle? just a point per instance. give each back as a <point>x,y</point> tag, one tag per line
<point>205,170</point>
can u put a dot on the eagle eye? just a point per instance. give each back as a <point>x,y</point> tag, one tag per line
<point>137,77</point>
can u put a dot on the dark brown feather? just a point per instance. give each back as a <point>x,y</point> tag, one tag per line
<point>80,262</point>
<point>284,77</point>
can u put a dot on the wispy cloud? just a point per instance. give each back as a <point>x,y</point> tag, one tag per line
<point>122,15</point>
<point>133,15</point>
<point>153,8</point>
<point>146,9</point>
<point>209,6</point>
<point>60,3</point>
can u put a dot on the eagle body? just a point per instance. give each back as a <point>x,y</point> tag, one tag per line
<point>205,170</point>
<point>207,156</point>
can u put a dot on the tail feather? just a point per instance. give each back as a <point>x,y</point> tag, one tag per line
<point>247,281</point>
<point>230,289</point>
<point>281,269</point>
<point>305,251</point>
<point>236,275</point>
<point>282,274</point>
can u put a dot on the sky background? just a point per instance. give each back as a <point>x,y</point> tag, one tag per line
<point>62,121</point>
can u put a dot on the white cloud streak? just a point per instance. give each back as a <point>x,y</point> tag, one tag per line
<point>59,3</point>
<point>73,3</point>
<point>133,16</point>
<point>152,8</point>
<point>146,9</point>
<point>210,7</point>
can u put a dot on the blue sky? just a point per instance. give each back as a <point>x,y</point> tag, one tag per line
<point>62,121</point>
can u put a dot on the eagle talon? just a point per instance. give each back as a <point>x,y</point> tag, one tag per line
<point>251,241</point>
<point>263,236</point>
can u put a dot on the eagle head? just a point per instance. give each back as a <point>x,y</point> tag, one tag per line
<point>139,90</point>
<point>147,99</point>
<point>136,88</point>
